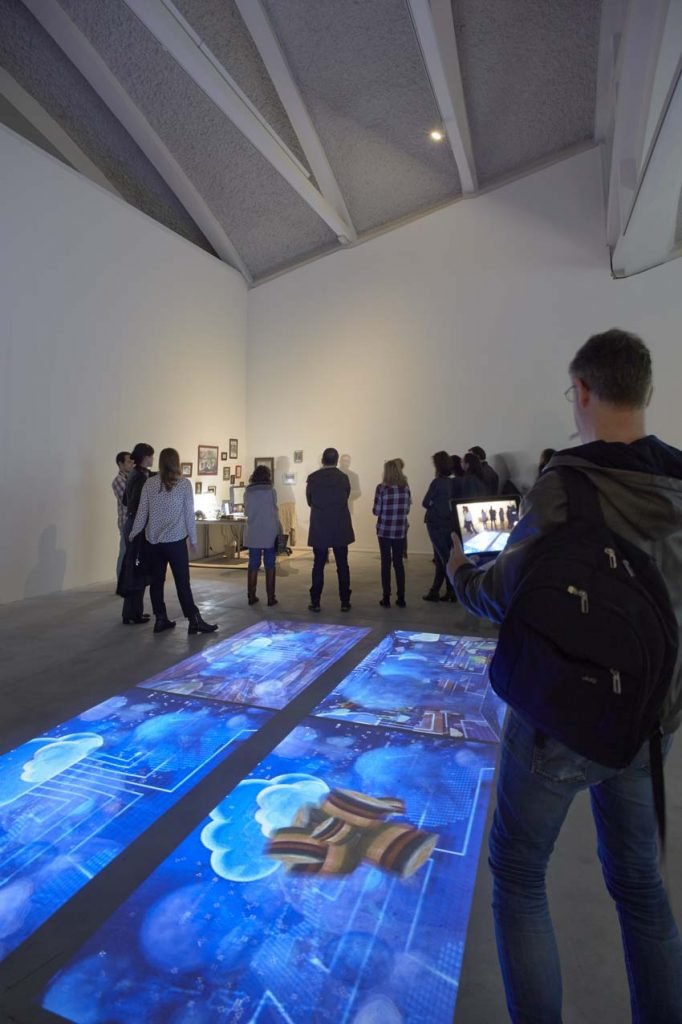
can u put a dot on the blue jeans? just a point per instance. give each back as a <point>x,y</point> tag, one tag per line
<point>538,780</point>
<point>255,557</point>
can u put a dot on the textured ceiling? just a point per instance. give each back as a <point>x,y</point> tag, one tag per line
<point>529,69</point>
<point>15,120</point>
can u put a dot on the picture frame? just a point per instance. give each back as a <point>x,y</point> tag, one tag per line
<point>198,487</point>
<point>223,456</point>
<point>238,472</point>
<point>233,479</point>
<point>234,448</point>
<point>268,461</point>
<point>207,460</point>
<point>226,474</point>
<point>237,508</point>
<point>298,455</point>
<point>186,468</point>
<point>212,489</point>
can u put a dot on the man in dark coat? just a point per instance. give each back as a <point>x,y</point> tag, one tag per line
<point>327,492</point>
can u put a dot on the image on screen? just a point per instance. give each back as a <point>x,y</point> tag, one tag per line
<point>425,682</point>
<point>486,524</point>
<point>315,891</point>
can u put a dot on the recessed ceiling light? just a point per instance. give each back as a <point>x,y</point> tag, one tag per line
<point>436,135</point>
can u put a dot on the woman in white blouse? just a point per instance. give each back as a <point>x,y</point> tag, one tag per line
<point>166,509</point>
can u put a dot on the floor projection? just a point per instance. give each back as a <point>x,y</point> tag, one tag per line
<point>72,799</point>
<point>424,682</point>
<point>333,885</point>
<point>267,664</point>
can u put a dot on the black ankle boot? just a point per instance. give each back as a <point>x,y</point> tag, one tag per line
<point>197,625</point>
<point>163,623</point>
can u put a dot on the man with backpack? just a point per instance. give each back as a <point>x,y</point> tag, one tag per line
<point>589,596</point>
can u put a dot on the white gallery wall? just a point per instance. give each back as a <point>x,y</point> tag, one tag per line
<point>453,330</point>
<point>113,330</point>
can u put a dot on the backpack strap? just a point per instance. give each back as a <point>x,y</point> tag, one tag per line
<point>658,784</point>
<point>582,495</point>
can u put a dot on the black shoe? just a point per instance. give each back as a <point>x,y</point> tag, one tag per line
<point>163,623</point>
<point>401,602</point>
<point>431,596</point>
<point>313,607</point>
<point>449,597</point>
<point>385,602</point>
<point>197,625</point>
<point>137,621</point>
<point>346,607</point>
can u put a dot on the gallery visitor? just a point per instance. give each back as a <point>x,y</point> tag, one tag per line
<point>440,522</point>
<point>262,528</point>
<point>327,493</point>
<point>490,477</point>
<point>392,502</point>
<point>118,485</point>
<point>166,514</point>
<point>473,483</point>
<point>133,577</point>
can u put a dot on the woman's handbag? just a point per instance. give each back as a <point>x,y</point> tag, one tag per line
<point>281,543</point>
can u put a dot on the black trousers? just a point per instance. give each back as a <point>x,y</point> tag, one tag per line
<point>392,551</point>
<point>342,571</point>
<point>133,603</point>
<point>442,543</point>
<point>173,553</point>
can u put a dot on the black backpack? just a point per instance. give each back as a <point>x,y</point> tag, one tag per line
<point>588,646</point>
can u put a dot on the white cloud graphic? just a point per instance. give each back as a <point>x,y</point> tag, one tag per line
<point>57,756</point>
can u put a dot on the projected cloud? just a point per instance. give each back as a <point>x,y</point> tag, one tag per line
<point>59,755</point>
<point>242,822</point>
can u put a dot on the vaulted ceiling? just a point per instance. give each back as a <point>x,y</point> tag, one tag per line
<point>272,131</point>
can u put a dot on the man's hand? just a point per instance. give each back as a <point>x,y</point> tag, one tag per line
<point>457,558</point>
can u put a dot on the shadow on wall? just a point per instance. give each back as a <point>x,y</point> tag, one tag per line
<point>355,492</point>
<point>47,576</point>
<point>286,496</point>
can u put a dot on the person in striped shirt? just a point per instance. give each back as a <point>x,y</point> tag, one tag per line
<point>392,500</point>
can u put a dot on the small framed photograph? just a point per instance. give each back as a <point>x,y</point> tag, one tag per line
<point>198,487</point>
<point>298,455</point>
<point>212,489</point>
<point>238,472</point>
<point>226,474</point>
<point>268,461</point>
<point>223,456</point>
<point>234,448</point>
<point>233,479</point>
<point>207,460</point>
<point>186,468</point>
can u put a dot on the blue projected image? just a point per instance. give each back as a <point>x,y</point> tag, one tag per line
<point>72,799</point>
<point>266,665</point>
<point>425,682</point>
<point>332,884</point>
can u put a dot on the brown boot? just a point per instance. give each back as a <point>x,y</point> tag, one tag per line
<point>251,584</point>
<point>270,586</point>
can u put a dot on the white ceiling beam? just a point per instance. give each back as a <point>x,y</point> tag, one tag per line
<point>182,43</point>
<point>638,55</point>
<point>435,28</point>
<point>277,67</point>
<point>46,126</point>
<point>648,238</point>
<point>83,55</point>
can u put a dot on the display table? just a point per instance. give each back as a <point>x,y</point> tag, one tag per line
<point>218,538</point>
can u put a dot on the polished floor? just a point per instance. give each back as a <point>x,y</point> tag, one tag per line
<point>64,653</point>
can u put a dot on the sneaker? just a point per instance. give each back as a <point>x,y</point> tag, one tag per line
<point>431,596</point>
<point>313,608</point>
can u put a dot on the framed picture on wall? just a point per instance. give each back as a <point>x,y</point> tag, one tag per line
<point>186,468</point>
<point>233,479</point>
<point>238,472</point>
<point>298,455</point>
<point>268,461</point>
<point>198,487</point>
<point>226,474</point>
<point>212,489</point>
<point>234,448</point>
<point>207,460</point>
<point>223,456</point>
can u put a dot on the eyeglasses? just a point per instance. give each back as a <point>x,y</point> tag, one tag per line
<point>570,394</point>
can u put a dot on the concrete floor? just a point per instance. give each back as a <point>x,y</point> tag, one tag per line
<point>64,653</point>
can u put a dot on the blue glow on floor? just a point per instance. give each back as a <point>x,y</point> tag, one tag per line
<point>267,664</point>
<point>425,682</point>
<point>74,798</point>
<point>222,932</point>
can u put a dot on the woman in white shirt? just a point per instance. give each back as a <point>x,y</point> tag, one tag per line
<point>166,509</point>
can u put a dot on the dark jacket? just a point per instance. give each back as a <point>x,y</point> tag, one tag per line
<point>137,478</point>
<point>491,479</point>
<point>640,489</point>
<point>327,492</point>
<point>471,487</point>
<point>438,503</point>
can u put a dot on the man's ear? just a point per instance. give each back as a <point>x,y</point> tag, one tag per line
<point>582,393</point>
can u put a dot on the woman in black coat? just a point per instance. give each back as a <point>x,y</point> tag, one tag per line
<point>440,522</point>
<point>133,578</point>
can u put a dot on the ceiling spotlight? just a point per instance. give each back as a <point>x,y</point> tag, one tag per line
<point>436,135</point>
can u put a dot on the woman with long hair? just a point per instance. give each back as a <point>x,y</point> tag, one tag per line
<point>133,576</point>
<point>166,514</point>
<point>473,483</point>
<point>392,500</point>
<point>440,522</point>
<point>262,527</point>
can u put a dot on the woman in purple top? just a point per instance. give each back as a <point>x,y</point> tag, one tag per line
<point>392,501</point>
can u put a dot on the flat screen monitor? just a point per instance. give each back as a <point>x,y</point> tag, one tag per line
<point>485,524</point>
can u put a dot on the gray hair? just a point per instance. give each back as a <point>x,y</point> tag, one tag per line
<point>616,366</point>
